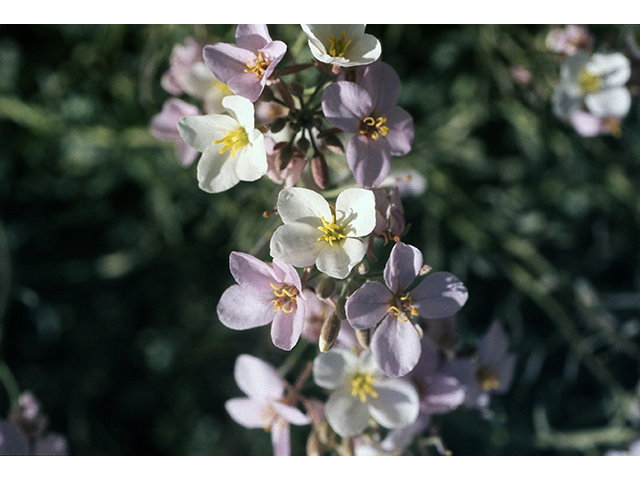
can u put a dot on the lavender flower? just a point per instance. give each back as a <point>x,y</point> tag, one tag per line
<point>265,405</point>
<point>367,109</point>
<point>264,294</point>
<point>164,126</point>
<point>246,67</point>
<point>396,342</point>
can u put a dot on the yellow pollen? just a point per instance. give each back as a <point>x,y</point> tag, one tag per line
<point>401,306</point>
<point>258,67</point>
<point>373,127</point>
<point>339,47</point>
<point>589,83</point>
<point>286,297</point>
<point>362,385</point>
<point>487,378</point>
<point>234,140</point>
<point>332,232</point>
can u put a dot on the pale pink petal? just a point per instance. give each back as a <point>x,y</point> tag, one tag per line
<point>368,305</point>
<point>382,83</point>
<point>369,159</point>
<point>439,295</point>
<point>252,37</point>
<point>345,105</point>
<point>396,346</point>
<point>287,327</point>
<point>401,131</point>
<point>280,440</point>
<point>290,414</point>
<point>251,272</point>
<point>403,266</point>
<point>246,412</point>
<point>241,308</point>
<point>441,393</point>
<point>257,378</point>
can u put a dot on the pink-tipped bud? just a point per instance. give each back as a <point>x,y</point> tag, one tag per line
<point>320,170</point>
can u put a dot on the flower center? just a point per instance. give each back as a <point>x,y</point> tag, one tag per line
<point>401,306</point>
<point>234,140</point>
<point>362,385</point>
<point>589,83</point>
<point>339,46</point>
<point>374,127</point>
<point>259,66</point>
<point>332,231</point>
<point>286,297</point>
<point>487,377</point>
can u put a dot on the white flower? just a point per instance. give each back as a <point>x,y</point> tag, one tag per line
<point>597,80</point>
<point>232,149</point>
<point>313,234</point>
<point>342,45</point>
<point>362,391</point>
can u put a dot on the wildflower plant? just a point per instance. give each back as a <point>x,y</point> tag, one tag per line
<point>376,377</point>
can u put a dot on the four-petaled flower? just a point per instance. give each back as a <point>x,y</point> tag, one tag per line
<point>597,81</point>
<point>342,45</point>
<point>367,109</point>
<point>264,294</point>
<point>491,371</point>
<point>314,233</point>
<point>362,391</point>
<point>396,343</point>
<point>232,149</point>
<point>245,68</point>
<point>264,406</point>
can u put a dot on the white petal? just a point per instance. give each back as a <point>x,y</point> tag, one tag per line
<point>346,414</point>
<point>251,161</point>
<point>332,369</point>
<point>246,411</point>
<point>300,203</point>
<point>296,243</point>
<point>614,102</point>
<point>356,206</point>
<point>338,260</point>
<point>215,172</point>
<point>397,404</point>
<point>199,131</point>
<point>613,68</point>
<point>242,109</point>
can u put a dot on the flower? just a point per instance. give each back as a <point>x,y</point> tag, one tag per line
<point>395,342</point>
<point>589,125</point>
<point>342,45</point>
<point>314,233</point>
<point>264,294</point>
<point>362,391</point>
<point>597,81</point>
<point>568,40</point>
<point>367,109</point>
<point>490,371</point>
<point>164,126</point>
<point>232,150</point>
<point>183,57</point>
<point>246,67</point>
<point>264,406</point>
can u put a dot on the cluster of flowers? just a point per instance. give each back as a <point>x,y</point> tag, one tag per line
<point>592,94</point>
<point>387,347</point>
<point>25,431</point>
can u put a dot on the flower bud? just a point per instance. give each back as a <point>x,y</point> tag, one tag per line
<point>340,311</point>
<point>326,287</point>
<point>285,156</point>
<point>334,144</point>
<point>363,267</point>
<point>364,337</point>
<point>278,124</point>
<point>320,170</point>
<point>303,144</point>
<point>314,445</point>
<point>296,89</point>
<point>329,333</point>
<point>425,269</point>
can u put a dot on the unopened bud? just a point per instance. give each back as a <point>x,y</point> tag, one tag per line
<point>340,308</point>
<point>267,95</point>
<point>303,144</point>
<point>320,170</point>
<point>363,267</point>
<point>425,269</point>
<point>285,156</point>
<point>326,287</point>
<point>334,144</point>
<point>296,89</point>
<point>329,333</point>
<point>364,337</point>
<point>278,124</point>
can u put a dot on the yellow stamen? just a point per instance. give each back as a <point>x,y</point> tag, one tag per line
<point>287,297</point>
<point>589,83</point>
<point>235,140</point>
<point>362,385</point>
<point>400,306</point>
<point>332,231</point>
<point>339,47</point>
<point>487,378</point>
<point>258,67</point>
<point>373,127</point>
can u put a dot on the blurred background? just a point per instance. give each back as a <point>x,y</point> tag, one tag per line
<point>112,259</point>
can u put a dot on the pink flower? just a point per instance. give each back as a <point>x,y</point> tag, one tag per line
<point>264,294</point>
<point>264,405</point>
<point>164,126</point>
<point>183,57</point>
<point>367,109</point>
<point>396,343</point>
<point>246,67</point>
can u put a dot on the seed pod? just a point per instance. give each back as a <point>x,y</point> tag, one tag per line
<point>329,333</point>
<point>364,337</point>
<point>320,170</point>
<point>326,287</point>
